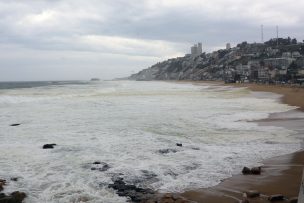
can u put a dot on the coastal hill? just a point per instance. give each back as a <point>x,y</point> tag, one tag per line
<point>275,61</point>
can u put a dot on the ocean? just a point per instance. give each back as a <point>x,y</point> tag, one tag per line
<point>132,127</point>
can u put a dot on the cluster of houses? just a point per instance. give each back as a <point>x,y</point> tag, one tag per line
<point>264,64</point>
<point>276,61</point>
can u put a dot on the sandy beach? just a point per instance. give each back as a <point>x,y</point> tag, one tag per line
<point>280,175</point>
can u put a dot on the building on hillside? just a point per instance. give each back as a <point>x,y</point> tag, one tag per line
<point>281,63</point>
<point>196,49</point>
<point>228,46</point>
<point>295,54</point>
<point>286,55</point>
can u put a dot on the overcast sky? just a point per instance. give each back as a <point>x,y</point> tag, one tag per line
<point>81,39</point>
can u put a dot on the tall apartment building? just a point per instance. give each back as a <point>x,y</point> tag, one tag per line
<point>196,49</point>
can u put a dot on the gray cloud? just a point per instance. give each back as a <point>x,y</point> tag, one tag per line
<point>73,39</point>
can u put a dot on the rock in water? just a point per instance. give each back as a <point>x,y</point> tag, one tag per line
<point>136,194</point>
<point>101,166</point>
<point>179,144</point>
<point>166,151</point>
<point>14,197</point>
<point>48,146</point>
<point>277,197</point>
<point>246,171</point>
<point>15,124</point>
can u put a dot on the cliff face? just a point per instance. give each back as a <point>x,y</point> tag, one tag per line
<point>244,62</point>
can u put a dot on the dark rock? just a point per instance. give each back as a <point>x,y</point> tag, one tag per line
<point>293,200</point>
<point>14,179</point>
<point>48,146</point>
<point>97,162</point>
<point>101,166</point>
<point>166,151</point>
<point>15,124</point>
<point>179,144</point>
<point>2,183</point>
<point>136,194</point>
<point>105,167</point>
<point>14,197</point>
<point>18,196</point>
<point>252,193</point>
<point>277,197</point>
<point>246,171</point>
<point>256,170</point>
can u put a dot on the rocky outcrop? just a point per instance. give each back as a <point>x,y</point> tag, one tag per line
<point>14,197</point>
<point>136,194</point>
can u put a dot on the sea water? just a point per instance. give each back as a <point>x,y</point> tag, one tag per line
<point>128,125</point>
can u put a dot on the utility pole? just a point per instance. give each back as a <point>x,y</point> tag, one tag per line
<point>262,34</point>
<point>277,29</point>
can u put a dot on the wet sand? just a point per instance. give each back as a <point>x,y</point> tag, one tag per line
<point>280,175</point>
<point>293,96</point>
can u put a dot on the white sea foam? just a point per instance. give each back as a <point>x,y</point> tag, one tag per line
<point>125,124</point>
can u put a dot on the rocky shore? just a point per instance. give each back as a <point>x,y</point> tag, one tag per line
<point>14,197</point>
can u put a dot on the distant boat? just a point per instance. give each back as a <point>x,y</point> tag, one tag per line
<point>95,79</point>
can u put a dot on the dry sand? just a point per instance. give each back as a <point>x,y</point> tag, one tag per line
<point>280,175</point>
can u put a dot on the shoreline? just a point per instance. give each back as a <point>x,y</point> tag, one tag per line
<point>280,175</point>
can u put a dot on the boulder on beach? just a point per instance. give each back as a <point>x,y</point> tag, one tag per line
<point>48,146</point>
<point>246,171</point>
<point>253,171</point>
<point>256,170</point>
<point>252,193</point>
<point>277,197</point>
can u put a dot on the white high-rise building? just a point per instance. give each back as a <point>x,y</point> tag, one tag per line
<point>196,49</point>
<point>228,46</point>
<point>199,48</point>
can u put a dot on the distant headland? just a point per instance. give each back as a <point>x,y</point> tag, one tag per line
<point>277,61</point>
